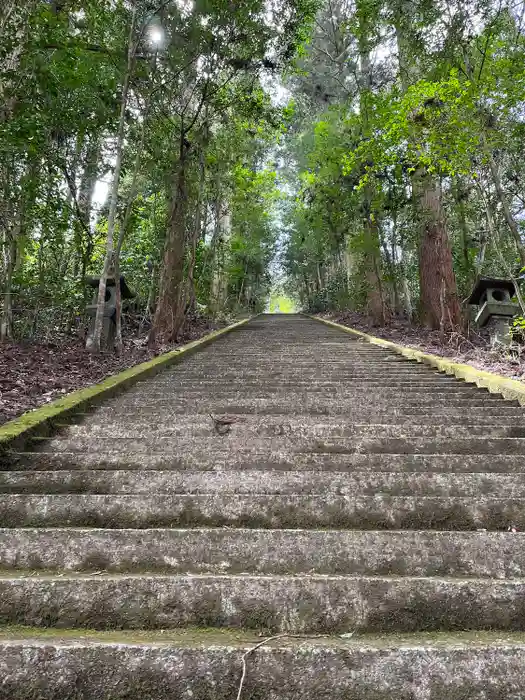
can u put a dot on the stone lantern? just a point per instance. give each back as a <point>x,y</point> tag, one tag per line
<point>496,309</point>
<point>109,325</point>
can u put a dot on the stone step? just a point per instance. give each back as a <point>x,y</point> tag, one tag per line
<point>289,403</point>
<point>503,415</point>
<point>461,393</point>
<point>365,383</point>
<point>301,444</point>
<point>403,375</point>
<point>262,511</point>
<point>259,481</point>
<point>159,421</point>
<point>268,604</point>
<point>344,388</point>
<point>221,460</point>
<point>208,664</point>
<point>498,555</point>
<point>304,428</point>
<point>262,482</point>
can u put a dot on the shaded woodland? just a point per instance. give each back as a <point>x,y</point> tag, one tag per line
<point>366,154</point>
<point>406,158</point>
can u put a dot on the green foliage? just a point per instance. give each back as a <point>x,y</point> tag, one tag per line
<point>517,330</point>
<point>198,93</point>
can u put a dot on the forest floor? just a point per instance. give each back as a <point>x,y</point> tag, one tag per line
<point>33,374</point>
<point>474,349</point>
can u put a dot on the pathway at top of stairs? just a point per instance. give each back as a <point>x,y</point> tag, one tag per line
<point>289,478</point>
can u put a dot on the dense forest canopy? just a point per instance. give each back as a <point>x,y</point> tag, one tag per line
<point>406,157</point>
<point>369,151</point>
<point>163,102</point>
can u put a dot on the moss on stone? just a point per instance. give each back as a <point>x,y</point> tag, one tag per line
<point>511,389</point>
<point>203,637</point>
<point>41,419</point>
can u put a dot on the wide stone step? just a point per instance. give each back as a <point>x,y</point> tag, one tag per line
<point>498,555</point>
<point>265,511</point>
<point>226,460</point>
<point>315,382</point>
<point>304,428</point>
<point>460,393</point>
<point>262,482</point>
<point>297,444</point>
<point>403,375</point>
<point>270,604</point>
<point>504,416</point>
<point>68,664</point>
<point>340,404</point>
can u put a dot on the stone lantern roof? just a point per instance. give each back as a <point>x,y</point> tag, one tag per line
<point>490,283</point>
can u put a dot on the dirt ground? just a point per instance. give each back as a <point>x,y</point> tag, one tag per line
<point>473,350</point>
<point>33,374</point>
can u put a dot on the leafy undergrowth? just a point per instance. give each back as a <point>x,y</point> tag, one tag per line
<point>33,374</point>
<point>472,349</point>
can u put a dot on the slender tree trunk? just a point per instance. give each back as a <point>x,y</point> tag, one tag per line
<point>192,297</point>
<point>460,193</point>
<point>495,237</point>
<point>169,314</point>
<point>124,224</point>
<point>372,249</point>
<point>83,229</point>
<point>93,342</point>
<point>439,300</point>
<point>220,238</point>
<point>6,322</point>
<point>502,198</point>
<point>436,271</point>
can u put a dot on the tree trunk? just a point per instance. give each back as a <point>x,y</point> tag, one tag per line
<point>6,322</point>
<point>502,197</point>
<point>460,193</point>
<point>83,229</point>
<point>436,271</point>
<point>439,301</point>
<point>220,237</point>
<point>372,249</point>
<point>169,314</point>
<point>93,341</point>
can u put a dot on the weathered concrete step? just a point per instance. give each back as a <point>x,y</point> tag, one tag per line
<point>498,555</point>
<point>503,415</point>
<point>296,427</point>
<point>293,389</point>
<point>304,444</point>
<point>344,391</point>
<point>69,665</point>
<point>262,482</point>
<point>399,374</point>
<point>103,418</point>
<point>307,401</point>
<point>329,388</point>
<point>364,383</point>
<point>272,604</point>
<point>265,511</point>
<point>221,460</point>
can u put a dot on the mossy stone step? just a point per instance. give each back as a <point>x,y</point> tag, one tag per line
<point>226,460</point>
<point>269,604</point>
<point>350,483</point>
<point>498,555</point>
<point>207,664</point>
<point>213,442</point>
<point>266,511</point>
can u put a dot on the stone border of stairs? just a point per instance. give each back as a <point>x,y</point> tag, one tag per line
<point>496,384</point>
<point>41,420</point>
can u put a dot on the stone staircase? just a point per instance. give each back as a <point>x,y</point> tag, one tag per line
<point>357,502</point>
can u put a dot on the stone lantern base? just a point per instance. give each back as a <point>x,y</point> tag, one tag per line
<point>497,317</point>
<point>109,327</point>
